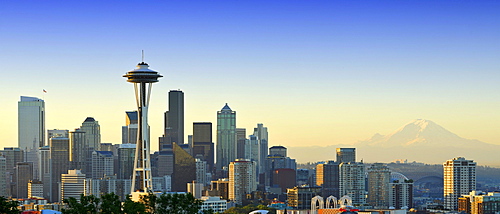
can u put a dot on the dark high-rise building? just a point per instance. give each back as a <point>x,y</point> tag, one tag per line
<point>12,156</point>
<point>129,131</point>
<point>277,151</point>
<point>202,132</point>
<point>346,155</point>
<point>240,142</point>
<point>59,155</point>
<point>79,150</point>
<point>24,173</point>
<point>174,118</point>
<point>327,177</point>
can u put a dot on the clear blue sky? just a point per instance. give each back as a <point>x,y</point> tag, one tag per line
<point>314,72</point>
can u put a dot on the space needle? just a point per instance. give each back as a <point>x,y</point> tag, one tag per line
<point>143,79</point>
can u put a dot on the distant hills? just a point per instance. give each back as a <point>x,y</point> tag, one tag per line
<point>420,140</point>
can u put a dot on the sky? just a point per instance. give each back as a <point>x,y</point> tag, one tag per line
<point>314,72</point>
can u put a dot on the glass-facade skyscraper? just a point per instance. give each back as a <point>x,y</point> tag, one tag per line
<point>174,118</point>
<point>226,137</point>
<point>31,123</point>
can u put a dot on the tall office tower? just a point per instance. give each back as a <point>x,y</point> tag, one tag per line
<point>72,184</point>
<point>79,149</point>
<point>126,155</point>
<point>242,179</point>
<point>3,176</point>
<point>45,173</point>
<point>240,142</point>
<point>401,191</point>
<point>274,162</point>
<point>31,128</point>
<point>226,139</point>
<point>346,155</point>
<point>252,150</point>
<point>352,181</point>
<point>12,156</point>
<point>59,156</point>
<point>184,169</point>
<point>92,133</point>
<point>102,164</point>
<point>164,163</point>
<point>220,188</point>
<point>261,132</point>
<point>203,146</point>
<point>143,79</point>
<point>327,177</point>
<point>277,150</point>
<point>174,118</point>
<point>24,173</point>
<point>201,172</point>
<point>303,177</point>
<point>31,123</point>
<point>35,189</point>
<point>459,179</point>
<point>129,131</point>
<point>379,177</point>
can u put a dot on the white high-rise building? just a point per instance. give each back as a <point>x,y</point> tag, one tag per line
<point>201,172</point>
<point>242,179</point>
<point>72,184</point>
<point>352,181</point>
<point>252,150</point>
<point>31,129</point>
<point>102,164</point>
<point>401,191</point>
<point>31,123</point>
<point>379,177</point>
<point>459,179</point>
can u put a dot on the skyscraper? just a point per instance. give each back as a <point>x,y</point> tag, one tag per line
<point>126,154</point>
<point>352,181</point>
<point>31,123</point>
<point>92,133</point>
<point>3,177</point>
<point>72,184</point>
<point>203,146</point>
<point>102,164</point>
<point>261,132</point>
<point>174,118</point>
<point>226,138</point>
<point>242,179</point>
<point>346,155</point>
<point>129,131</point>
<point>24,171</point>
<point>31,129</point>
<point>327,177</point>
<point>379,177</point>
<point>241,139</point>
<point>459,179</point>
<point>401,191</point>
<point>59,156</point>
<point>79,149</point>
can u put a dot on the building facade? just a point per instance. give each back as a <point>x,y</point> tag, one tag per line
<point>346,155</point>
<point>459,179</point>
<point>352,181</point>
<point>379,178</point>
<point>242,179</point>
<point>226,138</point>
<point>174,118</point>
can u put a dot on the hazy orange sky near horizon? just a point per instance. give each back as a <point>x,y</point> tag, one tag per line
<point>315,73</point>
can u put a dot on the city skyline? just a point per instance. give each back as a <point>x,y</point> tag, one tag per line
<point>316,73</point>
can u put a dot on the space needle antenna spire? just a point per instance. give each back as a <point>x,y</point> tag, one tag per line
<point>143,78</point>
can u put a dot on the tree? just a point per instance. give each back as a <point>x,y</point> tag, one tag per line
<point>132,207</point>
<point>8,206</point>
<point>87,205</point>
<point>178,204</point>
<point>110,204</point>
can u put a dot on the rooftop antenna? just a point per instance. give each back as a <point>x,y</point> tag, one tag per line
<point>142,55</point>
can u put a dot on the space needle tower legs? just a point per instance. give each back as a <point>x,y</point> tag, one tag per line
<point>142,78</point>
